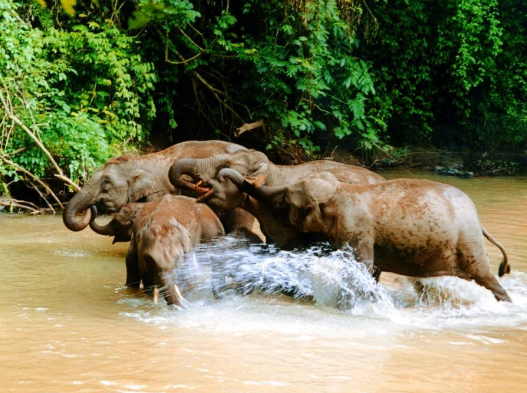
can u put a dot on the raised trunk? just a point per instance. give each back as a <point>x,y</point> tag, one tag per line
<point>79,204</point>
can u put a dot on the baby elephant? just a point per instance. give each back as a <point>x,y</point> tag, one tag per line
<point>161,232</point>
<point>416,228</point>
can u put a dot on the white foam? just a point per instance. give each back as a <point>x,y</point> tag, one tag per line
<point>317,278</point>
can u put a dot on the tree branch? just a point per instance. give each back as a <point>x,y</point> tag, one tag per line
<point>20,204</point>
<point>26,172</point>
<point>13,117</point>
<point>248,127</point>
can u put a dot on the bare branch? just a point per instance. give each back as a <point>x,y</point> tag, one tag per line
<point>15,152</point>
<point>25,171</point>
<point>248,127</point>
<point>67,180</point>
<point>183,61</point>
<point>190,39</point>
<point>11,114</point>
<point>42,196</point>
<point>19,204</point>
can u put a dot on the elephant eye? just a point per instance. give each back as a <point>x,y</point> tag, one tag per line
<point>223,166</point>
<point>106,185</point>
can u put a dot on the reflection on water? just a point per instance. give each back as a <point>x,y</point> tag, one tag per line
<point>67,323</point>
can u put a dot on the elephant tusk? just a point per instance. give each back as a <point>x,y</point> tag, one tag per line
<point>205,197</point>
<point>199,183</point>
<point>156,295</point>
<point>182,301</point>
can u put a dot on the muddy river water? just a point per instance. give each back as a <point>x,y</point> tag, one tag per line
<point>67,324</point>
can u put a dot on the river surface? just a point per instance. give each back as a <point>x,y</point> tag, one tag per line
<point>67,324</point>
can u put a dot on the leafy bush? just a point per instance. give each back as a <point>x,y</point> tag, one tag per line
<point>85,92</point>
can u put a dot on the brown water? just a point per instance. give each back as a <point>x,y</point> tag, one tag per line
<point>68,325</point>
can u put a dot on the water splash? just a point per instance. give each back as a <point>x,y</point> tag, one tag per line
<point>328,278</point>
<point>308,286</point>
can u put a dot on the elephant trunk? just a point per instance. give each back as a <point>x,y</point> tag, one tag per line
<point>105,230</point>
<point>264,193</point>
<point>196,169</point>
<point>185,166</point>
<point>79,204</point>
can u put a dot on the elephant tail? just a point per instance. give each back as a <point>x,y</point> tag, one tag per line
<point>504,268</point>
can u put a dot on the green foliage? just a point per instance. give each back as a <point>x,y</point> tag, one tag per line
<point>83,90</point>
<point>452,72</point>
<point>309,79</point>
<point>361,74</point>
<point>496,167</point>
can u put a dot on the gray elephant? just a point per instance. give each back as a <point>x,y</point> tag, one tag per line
<point>161,232</point>
<point>143,178</point>
<point>258,170</point>
<point>417,228</point>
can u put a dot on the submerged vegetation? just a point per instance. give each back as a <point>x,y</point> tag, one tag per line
<point>83,80</point>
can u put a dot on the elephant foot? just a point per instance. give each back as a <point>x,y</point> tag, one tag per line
<point>376,274</point>
<point>156,294</point>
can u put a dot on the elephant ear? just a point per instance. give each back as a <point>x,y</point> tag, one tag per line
<point>257,169</point>
<point>305,199</point>
<point>126,218</point>
<point>141,185</point>
<point>321,187</point>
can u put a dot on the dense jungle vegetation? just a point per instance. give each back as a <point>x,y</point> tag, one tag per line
<point>84,80</point>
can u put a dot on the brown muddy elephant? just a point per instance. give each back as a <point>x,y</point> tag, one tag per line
<point>417,228</point>
<point>258,170</point>
<point>143,178</point>
<point>161,232</point>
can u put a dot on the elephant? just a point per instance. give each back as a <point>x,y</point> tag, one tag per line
<point>258,170</point>
<point>128,179</point>
<point>417,228</point>
<point>161,232</point>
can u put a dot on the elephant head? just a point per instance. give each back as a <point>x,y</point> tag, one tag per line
<point>120,226</point>
<point>119,181</point>
<point>134,178</point>
<point>200,175</point>
<point>302,199</point>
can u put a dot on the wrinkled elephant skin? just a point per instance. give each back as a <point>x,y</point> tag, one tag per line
<point>161,232</point>
<point>256,169</point>
<point>139,178</point>
<point>416,228</point>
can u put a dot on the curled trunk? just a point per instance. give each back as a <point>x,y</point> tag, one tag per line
<point>197,169</point>
<point>79,204</point>
<point>105,230</point>
<point>185,166</point>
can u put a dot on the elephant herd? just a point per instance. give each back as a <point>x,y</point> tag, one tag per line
<point>415,228</point>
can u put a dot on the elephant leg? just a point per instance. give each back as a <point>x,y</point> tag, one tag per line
<point>133,275</point>
<point>171,291</point>
<point>490,282</point>
<point>167,289</point>
<point>219,281</point>
<point>376,273</point>
<point>148,284</point>
<point>363,253</point>
<point>473,263</point>
<point>419,287</point>
<point>243,222</point>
